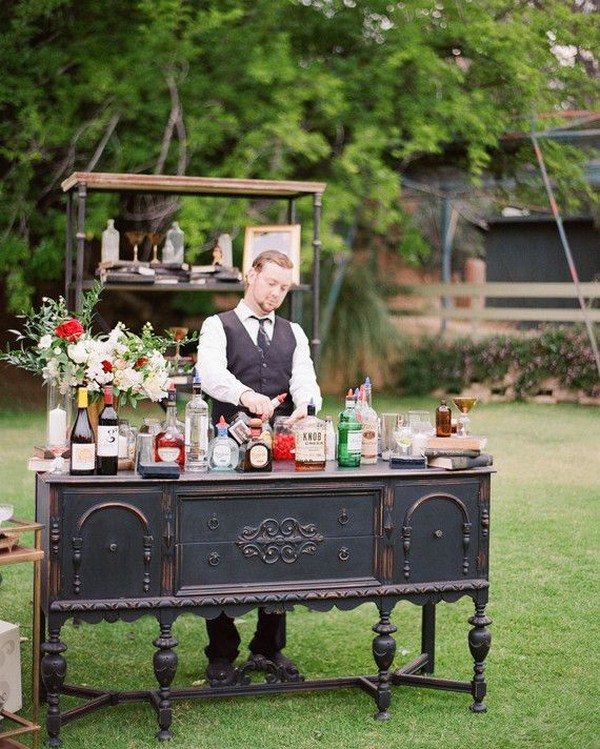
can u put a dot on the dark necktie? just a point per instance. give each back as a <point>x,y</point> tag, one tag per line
<point>262,339</point>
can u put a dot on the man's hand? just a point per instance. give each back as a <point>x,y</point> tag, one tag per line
<point>257,404</point>
<point>297,414</point>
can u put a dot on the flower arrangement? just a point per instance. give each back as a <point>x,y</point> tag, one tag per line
<point>64,351</point>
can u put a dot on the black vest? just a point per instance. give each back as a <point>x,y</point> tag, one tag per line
<point>269,374</point>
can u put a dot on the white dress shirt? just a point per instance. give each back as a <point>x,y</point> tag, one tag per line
<point>220,383</point>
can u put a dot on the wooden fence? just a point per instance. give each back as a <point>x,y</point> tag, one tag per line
<point>469,301</point>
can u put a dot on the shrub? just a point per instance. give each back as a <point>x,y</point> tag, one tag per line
<point>561,352</point>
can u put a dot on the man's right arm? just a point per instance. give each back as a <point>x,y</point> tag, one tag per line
<point>217,381</point>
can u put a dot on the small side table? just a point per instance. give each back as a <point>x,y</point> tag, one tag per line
<point>12,552</point>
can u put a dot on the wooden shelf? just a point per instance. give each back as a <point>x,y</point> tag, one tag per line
<point>18,553</point>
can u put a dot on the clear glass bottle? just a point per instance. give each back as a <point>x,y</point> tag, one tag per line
<point>109,252</point>
<point>196,429</point>
<point>311,442</point>
<point>173,247</point>
<point>443,420</point>
<point>370,433</point>
<point>223,451</point>
<point>82,461</point>
<point>107,450</point>
<point>123,439</point>
<point>257,455</point>
<point>349,435</point>
<point>330,439</point>
<point>169,445</point>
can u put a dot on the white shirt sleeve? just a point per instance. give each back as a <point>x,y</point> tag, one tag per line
<point>303,383</point>
<point>217,381</point>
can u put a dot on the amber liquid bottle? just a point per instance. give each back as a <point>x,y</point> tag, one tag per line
<point>443,420</point>
<point>169,444</point>
<point>258,456</point>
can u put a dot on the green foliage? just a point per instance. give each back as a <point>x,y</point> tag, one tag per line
<point>523,362</point>
<point>344,92</point>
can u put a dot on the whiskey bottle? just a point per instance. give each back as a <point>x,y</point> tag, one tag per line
<point>107,451</point>
<point>443,420</point>
<point>349,435</point>
<point>223,452</point>
<point>239,428</point>
<point>82,444</point>
<point>257,454</point>
<point>169,445</point>
<point>311,442</point>
<point>196,429</point>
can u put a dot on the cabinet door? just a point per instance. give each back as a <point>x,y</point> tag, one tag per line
<point>260,537</point>
<point>110,544</point>
<point>440,531</point>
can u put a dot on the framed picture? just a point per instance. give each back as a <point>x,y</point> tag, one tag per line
<point>282,237</point>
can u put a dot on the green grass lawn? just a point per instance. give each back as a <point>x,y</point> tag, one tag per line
<point>542,670</point>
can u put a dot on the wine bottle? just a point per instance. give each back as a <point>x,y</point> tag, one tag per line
<point>82,444</point>
<point>107,451</point>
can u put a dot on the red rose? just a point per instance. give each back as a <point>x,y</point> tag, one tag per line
<point>107,366</point>
<point>70,330</point>
<point>141,361</point>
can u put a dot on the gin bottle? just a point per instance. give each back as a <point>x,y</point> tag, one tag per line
<point>223,452</point>
<point>196,429</point>
<point>311,441</point>
<point>349,435</point>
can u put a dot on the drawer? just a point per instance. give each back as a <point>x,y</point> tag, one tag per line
<point>274,560</point>
<point>231,518</point>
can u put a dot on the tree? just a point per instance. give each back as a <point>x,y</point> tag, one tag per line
<point>345,91</point>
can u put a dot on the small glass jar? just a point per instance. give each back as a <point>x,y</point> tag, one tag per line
<point>284,442</point>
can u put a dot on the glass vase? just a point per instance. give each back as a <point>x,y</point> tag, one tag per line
<point>59,408</point>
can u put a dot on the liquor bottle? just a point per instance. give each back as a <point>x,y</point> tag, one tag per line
<point>223,452</point>
<point>82,444</point>
<point>443,420</point>
<point>169,444</point>
<point>257,454</point>
<point>330,439</point>
<point>370,422</point>
<point>196,429</point>
<point>349,435</point>
<point>109,252</point>
<point>239,428</point>
<point>311,441</point>
<point>173,250</point>
<point>107,451</point>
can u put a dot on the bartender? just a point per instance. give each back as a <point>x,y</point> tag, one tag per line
<point>246,357</point>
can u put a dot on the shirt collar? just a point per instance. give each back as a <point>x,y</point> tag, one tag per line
<point>244,312</point>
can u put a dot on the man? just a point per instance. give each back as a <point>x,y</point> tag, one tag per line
<point>246,357</point>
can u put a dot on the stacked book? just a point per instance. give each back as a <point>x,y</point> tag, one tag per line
<point>456,453</point>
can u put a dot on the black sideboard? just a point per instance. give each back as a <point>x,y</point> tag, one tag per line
<point>123,547</point>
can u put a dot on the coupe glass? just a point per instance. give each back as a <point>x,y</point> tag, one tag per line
<point>464,405</point>
<point>134,238</point>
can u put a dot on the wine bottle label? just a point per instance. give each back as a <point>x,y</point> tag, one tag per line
<point>83,456</point>
<point>108,441</point>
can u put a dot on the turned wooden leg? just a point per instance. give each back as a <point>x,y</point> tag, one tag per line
<point>480,640</point>
<point>384,649</point>
<point>53,671</point>
<point>165,665</point>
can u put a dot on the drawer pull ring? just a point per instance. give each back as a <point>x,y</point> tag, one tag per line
<point>343,517</point>
<point>438,534</point>
<point>213,522</point>
<point>214,559</point>
<point>112,547</point>
<point>343,554</point>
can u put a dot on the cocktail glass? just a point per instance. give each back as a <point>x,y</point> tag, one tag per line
<point>134,238</point>
<point>403,436</point>
<point>155,238</point>
<point>464,405</point>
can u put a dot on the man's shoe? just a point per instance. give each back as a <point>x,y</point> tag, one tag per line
<point>220,672</point>
<point>287,669</point>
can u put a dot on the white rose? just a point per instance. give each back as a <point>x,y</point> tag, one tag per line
<point>45,342</point>
<point>78,352</point>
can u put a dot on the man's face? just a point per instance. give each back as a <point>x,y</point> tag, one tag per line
<point>267,288</point>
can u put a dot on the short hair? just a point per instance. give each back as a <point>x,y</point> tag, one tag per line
<point>271,256</point>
